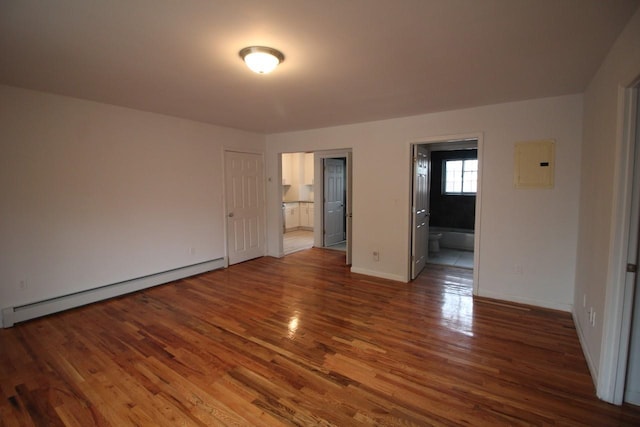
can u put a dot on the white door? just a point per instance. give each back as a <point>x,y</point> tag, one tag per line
<point>334,195</point>
<point>348,210</point>
<point>632,383</point>
<point>420,209</point>
<point>244,183</point>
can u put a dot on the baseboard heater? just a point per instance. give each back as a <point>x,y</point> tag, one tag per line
<point>13,315</point>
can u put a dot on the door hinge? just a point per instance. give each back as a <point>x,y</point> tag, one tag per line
<point>632,268</point>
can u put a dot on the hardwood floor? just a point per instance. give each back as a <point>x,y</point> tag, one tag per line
<point>301,341</point>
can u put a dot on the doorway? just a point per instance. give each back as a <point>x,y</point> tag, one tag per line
<point>298,199</point>
<point>453,238</point>
<point>303,185</point>
<point>337,219</point>
<point>614,381</point>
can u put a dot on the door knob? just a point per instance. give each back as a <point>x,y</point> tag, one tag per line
<point>230,214</point>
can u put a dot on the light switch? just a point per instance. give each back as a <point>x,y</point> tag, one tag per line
<point>534,164</point>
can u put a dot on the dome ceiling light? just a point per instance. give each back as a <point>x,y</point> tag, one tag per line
<point>261,59</point>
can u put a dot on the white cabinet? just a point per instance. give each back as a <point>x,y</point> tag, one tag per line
<point>308,169</point>
<point>297,169</point>
<point>291,216</point>
<point>306,215</point>
<point>287,169</point>
<point>298,215</point>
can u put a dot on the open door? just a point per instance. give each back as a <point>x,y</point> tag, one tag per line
<point>348,213</point>
<point>420,209</point>
<point>334,201</point>
<point>632,382</point>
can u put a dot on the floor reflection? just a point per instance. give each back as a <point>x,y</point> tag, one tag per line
<point>457,308</point>
<point>293,326</point>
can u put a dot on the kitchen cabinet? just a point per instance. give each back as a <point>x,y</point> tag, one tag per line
<point>306,215</point>
<point>287,169</point>
<point>291,216</point>
<point>308,169</point>
<point>298,215</point>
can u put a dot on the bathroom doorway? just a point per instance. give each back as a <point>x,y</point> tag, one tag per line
<point>452,209</point>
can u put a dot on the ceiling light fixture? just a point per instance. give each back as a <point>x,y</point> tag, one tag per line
<point>261,59</point>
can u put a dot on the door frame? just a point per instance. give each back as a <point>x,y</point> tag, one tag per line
<point>318,193</point>
<point>610,383</point>
<point>632,280</point>
<point>452,139</point>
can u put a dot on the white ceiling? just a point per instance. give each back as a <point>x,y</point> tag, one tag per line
<point>346,61</point>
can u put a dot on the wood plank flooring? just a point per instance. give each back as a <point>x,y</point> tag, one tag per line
<point>301,341</point>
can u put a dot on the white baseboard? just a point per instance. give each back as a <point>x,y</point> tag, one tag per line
<point>593,369</point>
<point>379,274</point>
<point>538,303</point>
<point>13,315</point>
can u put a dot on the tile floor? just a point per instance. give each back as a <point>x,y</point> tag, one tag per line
<point>452,257</point>
<point>342,246</point>
<point>298,240</point>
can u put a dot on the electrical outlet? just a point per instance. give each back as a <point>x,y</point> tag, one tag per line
<point>376,256</point>
<point>192,251</point>
<point>22,284</point>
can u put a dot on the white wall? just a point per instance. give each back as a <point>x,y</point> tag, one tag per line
<point>601,162</point>
<point>534,228</point>
<point>93,194</point>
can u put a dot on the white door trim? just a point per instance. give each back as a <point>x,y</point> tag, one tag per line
<point>349,207</point>
<point>280,217</point>
<point>610,379</point>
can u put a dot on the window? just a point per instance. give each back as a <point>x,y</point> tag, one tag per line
<point>460,176</point>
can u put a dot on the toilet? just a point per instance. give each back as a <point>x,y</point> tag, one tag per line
<point>434,243</point>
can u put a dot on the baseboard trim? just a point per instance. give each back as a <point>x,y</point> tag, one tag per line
<point>379,274</point>
<point>13,315</point>
<point>593,370</point>
<point>545,304</point>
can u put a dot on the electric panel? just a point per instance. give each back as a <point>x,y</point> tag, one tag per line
<point>534,164</point>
